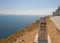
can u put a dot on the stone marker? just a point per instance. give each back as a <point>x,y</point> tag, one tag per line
<point>42,37</point>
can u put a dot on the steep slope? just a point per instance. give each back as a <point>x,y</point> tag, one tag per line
<point>53,32</point>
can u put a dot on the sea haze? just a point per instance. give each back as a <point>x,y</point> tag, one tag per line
<point>10,24</point>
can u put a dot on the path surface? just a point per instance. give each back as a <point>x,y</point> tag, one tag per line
<point>56,21</point>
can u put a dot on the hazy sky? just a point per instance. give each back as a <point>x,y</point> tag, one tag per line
<point>33,7</point>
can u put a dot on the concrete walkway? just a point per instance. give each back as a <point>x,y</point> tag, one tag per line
<point>56,21</point>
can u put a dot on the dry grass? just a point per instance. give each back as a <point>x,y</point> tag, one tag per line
<point>53,32</point>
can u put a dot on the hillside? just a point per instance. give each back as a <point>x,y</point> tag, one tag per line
<point>53,31</point>
<point>26,35</point>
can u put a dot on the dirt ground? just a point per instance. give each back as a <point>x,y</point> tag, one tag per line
<point>53,32</point>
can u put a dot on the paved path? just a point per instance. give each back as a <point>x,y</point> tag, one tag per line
<point>56,21</point>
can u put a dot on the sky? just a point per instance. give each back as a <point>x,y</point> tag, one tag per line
<point>28,7</point>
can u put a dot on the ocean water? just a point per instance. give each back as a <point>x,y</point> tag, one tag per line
<point>10,24</point>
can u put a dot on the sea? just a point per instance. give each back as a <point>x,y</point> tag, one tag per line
<point>9,24</point>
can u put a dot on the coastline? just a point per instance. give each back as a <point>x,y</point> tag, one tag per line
<point>21,33</point>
